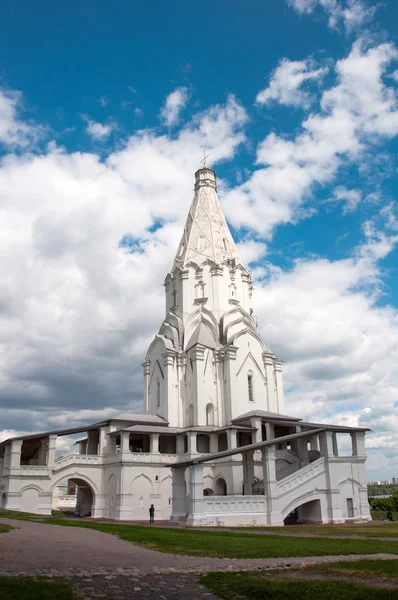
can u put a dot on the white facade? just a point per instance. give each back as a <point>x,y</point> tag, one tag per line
<point>213,411</point>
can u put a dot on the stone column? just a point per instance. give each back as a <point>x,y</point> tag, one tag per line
<point>103,441</point>
<point>358,443</point>
<point>248,472</point>
<point>42,458</point>
<point>15,454</point>
<point>196,494</point>
<point>232,441</point>
<point>52,446</point>
<point>125,441</point>
<point>154,443</point>
<point>256,435</point>
<point>270,431</point>
<point>92,442</point>
<point>179,508</point>
<point>303,451</point>
<point>270,485</point>
<point>314,443</point>
<point>147,369</point>
<point>192,435</point>
<point>326,443</point>
<point>213,443</point>
<point>180,444</point>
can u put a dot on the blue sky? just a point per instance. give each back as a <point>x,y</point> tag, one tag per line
<point>105,110</point>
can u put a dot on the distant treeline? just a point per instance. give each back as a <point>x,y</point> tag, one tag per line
<point>383,504</point>
<point>377,490</point>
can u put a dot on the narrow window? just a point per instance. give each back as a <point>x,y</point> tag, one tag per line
<point>250,387</point>
<point>158,394</point>
<point>225,244</point>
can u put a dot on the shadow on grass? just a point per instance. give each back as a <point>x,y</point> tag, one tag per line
<point>254,586</point>
<point>27,588</point>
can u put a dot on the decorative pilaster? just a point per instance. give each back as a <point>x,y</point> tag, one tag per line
<point>197,354</point>
<point>147,370</point>
<point>268,359</point>
<point>168,403</point>
<point>279,385</point>
<point>230,391</point>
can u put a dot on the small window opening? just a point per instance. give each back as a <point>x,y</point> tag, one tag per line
<point>158,394</point>
<point>250,387</point>
<point>157,478</point>
<point>225,243</point>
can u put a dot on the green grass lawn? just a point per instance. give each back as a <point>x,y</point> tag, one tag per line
<point>222,544</point>
<point>361,568</point>
<point>25,588</point>
<point>382,514</point>
<point>228,544</point>
<point>255,586</point>
<point>386,530</point>
<point>5,528</point>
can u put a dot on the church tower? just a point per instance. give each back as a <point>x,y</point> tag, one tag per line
<point>208,364</point>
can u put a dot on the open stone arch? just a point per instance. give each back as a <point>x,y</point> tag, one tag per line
<point>75,475</point>
<point>308,507</point>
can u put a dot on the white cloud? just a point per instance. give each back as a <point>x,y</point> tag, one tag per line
<point>354,115</point>
<point>98,131</point>
<point>339,346</point>
<point>175,102</point>
<point>77,309</point>
<point>352,13</point>
<point>13,131</point>
<point>286,83</point>
<point>350,198</point>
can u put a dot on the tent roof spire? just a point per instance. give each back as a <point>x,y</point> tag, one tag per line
<point>206,234</point>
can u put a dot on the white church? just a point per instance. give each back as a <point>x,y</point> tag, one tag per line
<point>213,445</point>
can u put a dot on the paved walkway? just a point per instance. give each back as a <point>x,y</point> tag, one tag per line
<point>103,566</point>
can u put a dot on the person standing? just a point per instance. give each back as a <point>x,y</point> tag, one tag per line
<point>152,514</point>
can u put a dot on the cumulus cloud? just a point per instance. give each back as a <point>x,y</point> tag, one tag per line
<point>349,198</point>
<point>353,14</point>
<point>339,345</point>
<point>286,83</point>
<point>175,102</point>
<point>80,283</point>
<point>98,131</point>
<point>355,114</point>
<point>15,132</point>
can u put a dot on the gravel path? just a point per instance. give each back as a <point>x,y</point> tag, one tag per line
<point>103,566</point>
<point>40,547</point>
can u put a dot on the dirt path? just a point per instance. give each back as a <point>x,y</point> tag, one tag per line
<point>42,548</point>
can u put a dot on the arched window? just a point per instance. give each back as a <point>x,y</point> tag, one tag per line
<point>250,386</point>
<point>210,414</point>
<point>157,393</point>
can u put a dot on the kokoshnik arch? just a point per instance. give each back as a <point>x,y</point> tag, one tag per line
<point>213,446</point>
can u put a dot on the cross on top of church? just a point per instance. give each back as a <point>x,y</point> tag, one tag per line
<point>205,156</point>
